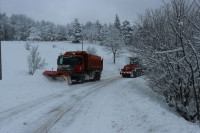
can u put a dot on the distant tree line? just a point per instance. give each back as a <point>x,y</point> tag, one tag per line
<point>168,39</point>
<point>22,28</point>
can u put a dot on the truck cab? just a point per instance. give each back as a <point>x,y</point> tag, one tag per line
<point>70,63</point>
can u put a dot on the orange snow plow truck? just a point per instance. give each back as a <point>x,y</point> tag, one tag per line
<point>77,66</point>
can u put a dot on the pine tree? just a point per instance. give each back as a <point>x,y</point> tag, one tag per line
<point>127,32</point>
<point>99,31</point>
<point>89,31</point>
<point>76,32</point>
<point>34,35</point>
<point>4,27</point>
<point>117,23</point>
<point>104,34</point>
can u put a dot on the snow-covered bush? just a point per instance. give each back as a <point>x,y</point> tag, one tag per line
<point>91,50</point>
<point>27,46</point>
<point>35,61</point>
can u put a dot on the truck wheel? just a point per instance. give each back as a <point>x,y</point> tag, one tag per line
<point>83,78</point>
<point>98,76</point>
<point>135,74</point>
<point>139,73</point>
<point>123,76</point>
<point>95,77</point>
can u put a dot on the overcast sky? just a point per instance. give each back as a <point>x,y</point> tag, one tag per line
<point>65,11</point>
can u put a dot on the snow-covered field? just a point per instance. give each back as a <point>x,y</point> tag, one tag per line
<point>36,104</point>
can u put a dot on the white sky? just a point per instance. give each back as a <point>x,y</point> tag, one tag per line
<point>65,11</point>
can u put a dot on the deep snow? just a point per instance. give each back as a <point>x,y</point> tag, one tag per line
<point>113,105</point>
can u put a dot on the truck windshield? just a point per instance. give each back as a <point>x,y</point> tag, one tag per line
<point>134,61</point>
<point>72,61</point>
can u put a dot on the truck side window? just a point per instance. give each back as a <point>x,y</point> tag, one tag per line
<point>61,61</point>
<point>138,62</point>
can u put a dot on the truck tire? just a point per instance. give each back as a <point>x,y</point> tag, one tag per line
<point>137,73</point>
<point>83,78</point>
<point>98,76</point>
<point>94,78</point>
<point>134,74</point>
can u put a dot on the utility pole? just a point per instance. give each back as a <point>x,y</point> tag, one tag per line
<point>82,43</point>
<point>0,63</point>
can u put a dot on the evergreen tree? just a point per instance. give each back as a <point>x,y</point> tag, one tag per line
<point>104,34</point>
<point>98,31</point>
<point>34,35</point>
<point>76,32</point>
<point>89,31</point>
<point>20,26</point>
<point>5,27</point>
<point>117,23</point>
<point>61,33</point>
<point>127,32</point>
<point>99,28</point>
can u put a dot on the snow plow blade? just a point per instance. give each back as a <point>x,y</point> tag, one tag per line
<point>58,74</point>
<point>53,73</point>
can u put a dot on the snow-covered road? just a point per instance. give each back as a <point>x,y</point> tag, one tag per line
<point>108,106</point>
<point>47,113</point>
<point>36,104</point>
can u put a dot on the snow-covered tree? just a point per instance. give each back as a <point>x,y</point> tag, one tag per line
<point>99,31</point>
<point>104,34</point>
<point>20,25</point>
<point>168,39</point>
<point>35,61</point>
<point>61,33</point>
<point>114,42</point>
<point>89,31</point>
<point>5,27</point>
<point>117,23</point>
<point>76,32</point>
<point>91,50</point>
<point>127,32</point>
<point>34,35</point>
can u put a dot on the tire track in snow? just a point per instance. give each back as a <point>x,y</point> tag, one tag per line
<point>57,113</point>
<point>29,106</point>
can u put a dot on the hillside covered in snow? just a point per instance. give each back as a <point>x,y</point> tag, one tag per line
<point>37,104</point>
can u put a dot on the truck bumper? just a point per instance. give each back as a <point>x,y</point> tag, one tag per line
<point>126,72</point>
